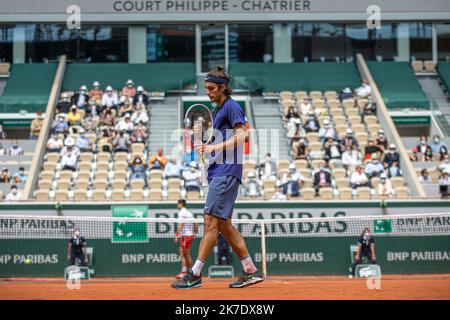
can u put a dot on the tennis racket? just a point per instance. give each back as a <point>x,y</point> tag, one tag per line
<point>200,119</point>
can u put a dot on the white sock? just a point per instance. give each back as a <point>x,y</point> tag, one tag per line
<point>248,265</point>
<point>183,269</point>
<point>197,268</point>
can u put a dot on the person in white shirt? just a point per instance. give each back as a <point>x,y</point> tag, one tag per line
<point>69,161</point>
<point>350,158</point>
<point>268,168</point>
<point>172,169</point>
<point>13,194</point>
<point>252,187</point>
<point>385,187</point>
<point>55,143</point>
<point>327,131</point>
<point>192,178</point>
<point>359,178</point>
<point>424,177</point>
<point>185,234</point>
<point>445,164</point>
<point>364,90</point>
<point>70,147</point>
<point>291,127</point>
<point>15,150</point>
<point>444,183</point>
<point>125,124</point>
<point>305,107</point>
<point>140,115</point>
<point>109,98</point>
<point>374,168</point>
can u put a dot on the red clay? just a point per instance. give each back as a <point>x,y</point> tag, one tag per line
<point>289,289</point>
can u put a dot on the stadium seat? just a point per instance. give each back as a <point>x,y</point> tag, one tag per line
<point>353,112</point>
<point>249,165</point>
<point>370,120</point>
<point>118,195</point>
<point>402,193</point>
<point>100,184</point>
<point>318,104</point>
<point>61,195</point>
<point>83,175</point>
<point>308,193</point>
<point>4,68</point>
<point>283,164</point>
<point>434,174</point>
<point>156,174</point>
<point>285,95</point>
<point>268,184</point>
<point>86,156</point>
<point>375,181</point>
<point>52,157</point>
<point>101,175</point>
<point>155,195</point>
<point>326,193</point>
<point>63,185</point>
<point>120,165</point>
<point>397,182</point>
<point>174,183</point>
<point>49,166</point>
<point>138,195</point>
<point>42,195</point>
<point>430,66</point>
<point>138,147</point>
<point>329,95</point>
<point>102,166</point>
<point>137,184</point>
<point>334,104</point>
<point>84,166</point>
<point>122,175</point>
<point>66,175</point>
<point>80,195</point>
<point>45,185</point>
<point>315,164</point>
<point>301,164</point>
<point>339,173</point>
<point>308,183</point>
<point>314,95</point>
<point>82,184</point>
<point>342,183</point>
<point>121,157</point>
<point>361,103</point>
<point>47,175</point>
<point>99,195</point>
<point>268,194</point>
<point>312,137</point>
<point>173,194</point>
<point>119,184</point>
<point>193,195</point>
<point>103,157</point>
<point>348,104</point>
<point>340,121</point>
<point>363,193</point>
<point>155,184</point>
<point>345,193</point>
<point>417,65</point>
<point>1,195</point>
<point>301,95</point>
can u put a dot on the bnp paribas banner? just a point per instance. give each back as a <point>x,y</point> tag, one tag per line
<point>119,247</point>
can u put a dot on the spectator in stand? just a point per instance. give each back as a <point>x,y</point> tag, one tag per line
<point>371,149</point>
<point>63,105</point>
<point>394,170</point>
<point>292,182</point>
<point>104,142</point>
<point>36,126</point>
<point>125,124</point>
<point>424,150</point>
<point>359,178</point>
<point>252,187</point>
<point>70,147</point>
<point>137,168</point>
<point>93,109</point>
<point>349,139</point>
<point>129,90</point>
<point>385,187</point>
<point>312,124</point>
<point>291,129</point>
<point>305,107</point>
<point>139,134</point>
<point>69,158</point>
<point>140,114</point>
<point>364,90</point>
<point>108,117</point>
<point>438,146</point>
<point>124,106</point>
<point>374,168</point>
<point>172,169</point>
<point>3,152</point>
<point>391,157</point>
<point>59,125</point>
<point>192,178</point>
<point>424,177</point>
<point>322,178</point>
<point>121,143</point>
<point>158,161</point>
<point>109,98</point>
<point>268,168</point>
<point>20,176</point>
<point>333,150</point>
<point>81,99</point>
<point>15,149</point>
<point>414,157</point>
<point>301,151</point>
<point>73,118</point>
<point>327,131</point>
<point>55,143</point>
<point>83,143</point>
<point>96,93</point>
<point>345,94</point>
<point>13,194</point>
<point>351,158</point>
<point>445,164</point>
<point>382,142</point>
<point>444,183</point>
<point>5,177</point>
<point>140,96</point>
<point>370,108</point>
<point>291,114</point>
<point>2,133</point>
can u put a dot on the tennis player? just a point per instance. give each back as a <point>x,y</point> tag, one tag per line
<point>225,154</point>
<point>185,234</point>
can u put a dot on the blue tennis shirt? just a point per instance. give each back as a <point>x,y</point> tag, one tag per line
<point>227,162</point>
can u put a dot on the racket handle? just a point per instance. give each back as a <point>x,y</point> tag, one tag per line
<point>204,173</point>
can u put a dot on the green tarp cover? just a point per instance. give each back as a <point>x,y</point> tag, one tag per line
<point>444,71</point>
<point>294,76</point>
<point>398,85</point>
<point>152,76</point>
<point>28,87</point>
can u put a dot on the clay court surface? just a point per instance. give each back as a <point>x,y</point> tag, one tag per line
<point>298,289</point>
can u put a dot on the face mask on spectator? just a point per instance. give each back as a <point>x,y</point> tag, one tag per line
<point>392,151</point>
<point>138,160</point>
<point>14,191</point>
<point>65,99</point>
<point>436,140</point>
<point>366,236</point>
<point>423,141</point>
<point>15,145</point>
<point>192,169</point>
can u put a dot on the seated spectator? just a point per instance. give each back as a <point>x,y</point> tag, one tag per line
<point>438,146</point>
<point>121,143</point>
<point>359,178</point>
<point>140,97</point>
<point>158,161</point>
<point>414,157</point>
<point>291,182</point>
<point>345,94</point>
<point>394,170</point>
<point>137,168</point>
<point>369,150</point>
<point>109,98</point>
<point>381,141</point>
<point>291,128</point>
<point>69,161</point>
<point>63,105</point>
<point>5,177</point>
<point>139,115</point>
<point>124,106</point>
<point>364,90</point>
<point>36,126</point>
<point>351,158</point>
<point>13,194</point>
<point>139,134</point>
<point>2,133</point>
<point>73,118</point>
<point>81,99</point>
<point>391,156</point>
<point>312,124</point>
<point>444,182</point>
<point>322,178</point>
<point>301,151</point>
<point>349,139</point>
<point>125,124</point>
<point>370,108</point>
<point>96,93</point>
<point>424,177</point>
<point>385,187</point>
<point>192,178</point>
<point>108,117</point>
<point>327,131</point>
<point>59,125</point>
<point>305,107</point>
<point>424,150</point>
<point>83,143</point>
<point>3,152</point>
<point>20,176</point>
<point>172,169</point>
<point>374,168</point>
<point>268,169</point>
<point>291,114</point>
<point>445,164</point>
<point>129,90</point>
<point>252,187</point>
<point>443,152</point>
<point>93,109</point>
<point>55,143</point>
<point>333,150</point>
<point>104,142</point>
<point>15,149</point>
<point>70,147</point>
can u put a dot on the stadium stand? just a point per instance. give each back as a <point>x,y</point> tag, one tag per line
<point>398,85</point>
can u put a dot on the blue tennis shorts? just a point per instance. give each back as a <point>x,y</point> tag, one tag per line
<point>222,194</point>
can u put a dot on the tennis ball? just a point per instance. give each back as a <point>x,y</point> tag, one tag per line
<point>27,261</point>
